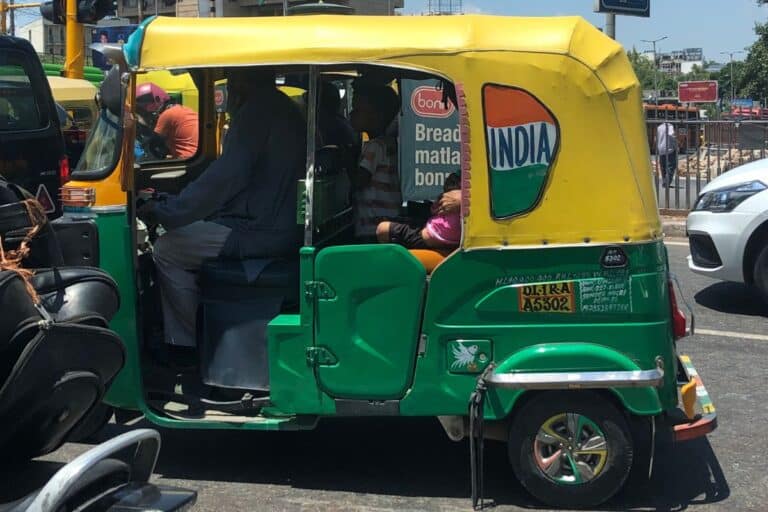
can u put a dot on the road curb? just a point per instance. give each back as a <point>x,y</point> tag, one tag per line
<point>673,227</point>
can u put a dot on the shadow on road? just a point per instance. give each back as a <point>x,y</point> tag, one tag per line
<point>684,475</point>
<point>732,298</point>
<point>19,480</point>
<point>408,458</point>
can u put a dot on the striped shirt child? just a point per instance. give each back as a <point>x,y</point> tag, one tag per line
<point>381,198</point>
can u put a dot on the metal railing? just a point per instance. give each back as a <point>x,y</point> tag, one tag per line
<point>705,150</point>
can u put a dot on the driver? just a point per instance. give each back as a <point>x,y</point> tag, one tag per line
<point>173,127</point>
<point>244,203</point>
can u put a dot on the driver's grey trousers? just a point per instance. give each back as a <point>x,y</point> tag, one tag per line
<point>178,255</point>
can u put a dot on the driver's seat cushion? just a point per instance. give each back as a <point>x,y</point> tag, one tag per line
<point>238,298</point>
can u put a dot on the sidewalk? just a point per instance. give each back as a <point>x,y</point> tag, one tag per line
<point>673,226</point>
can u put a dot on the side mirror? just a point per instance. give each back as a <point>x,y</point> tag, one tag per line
<point>63,116</point>
<point>111,92</point>
<point>113,53</point>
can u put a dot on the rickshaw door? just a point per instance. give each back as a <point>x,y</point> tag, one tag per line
<point>369,301</point>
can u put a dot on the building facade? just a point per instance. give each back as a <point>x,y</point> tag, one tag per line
<point>47,39</point>
<point>679,62</point>
<point>136,10</point>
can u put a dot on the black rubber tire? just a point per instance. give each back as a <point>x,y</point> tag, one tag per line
<point>760,273</point>
<point>598,409</point>
<point>91,424</point>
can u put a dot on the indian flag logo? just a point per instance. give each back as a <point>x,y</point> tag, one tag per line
<point>522,138</point>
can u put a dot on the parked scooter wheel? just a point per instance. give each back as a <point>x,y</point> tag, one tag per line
<point>92,424</point>
<point>571,449</point>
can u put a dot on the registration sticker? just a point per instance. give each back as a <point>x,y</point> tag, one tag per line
<point>547,298</point>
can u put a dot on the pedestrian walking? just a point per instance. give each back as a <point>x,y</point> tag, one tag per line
<point>666,149</point>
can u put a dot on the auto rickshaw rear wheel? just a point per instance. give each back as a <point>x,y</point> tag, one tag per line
<point>571,449</point>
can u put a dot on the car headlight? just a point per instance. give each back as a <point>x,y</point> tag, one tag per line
<point>726,199</point>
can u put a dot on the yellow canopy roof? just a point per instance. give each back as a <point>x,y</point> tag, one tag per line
<point>71,89</point>
<point>296,39</point>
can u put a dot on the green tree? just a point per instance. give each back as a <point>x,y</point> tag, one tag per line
<point>644,69</point>
<point>753,81</point>
<point>724,79</point>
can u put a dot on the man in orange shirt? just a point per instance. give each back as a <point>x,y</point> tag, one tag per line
<point>174,127</point>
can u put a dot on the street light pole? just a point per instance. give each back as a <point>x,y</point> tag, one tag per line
<point>655,67</point>
<point>610,25</point>
<point>733,83</point>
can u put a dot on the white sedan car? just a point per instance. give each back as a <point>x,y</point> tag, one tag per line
<point>728,227</point>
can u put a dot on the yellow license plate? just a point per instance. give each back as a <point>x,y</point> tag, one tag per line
<point>547,298</point>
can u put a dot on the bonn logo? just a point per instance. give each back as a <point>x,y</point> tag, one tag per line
<point>428,102</point>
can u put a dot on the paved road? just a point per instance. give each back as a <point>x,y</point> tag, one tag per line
<point>386,465</point>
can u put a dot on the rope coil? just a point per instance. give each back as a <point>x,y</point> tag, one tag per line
<point>11,260</point>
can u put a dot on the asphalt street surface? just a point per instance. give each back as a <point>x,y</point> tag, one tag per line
<point>392,464</point>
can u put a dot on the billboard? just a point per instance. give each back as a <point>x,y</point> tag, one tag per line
<point>429,140</point>
<point>704,91</point>
<point>110,34</point>
<point>743,102</point>
<point>625,7</point>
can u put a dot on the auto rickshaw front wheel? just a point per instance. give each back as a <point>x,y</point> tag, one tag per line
<point>571,449</point>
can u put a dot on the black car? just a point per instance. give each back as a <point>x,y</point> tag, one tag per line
<point>32,152</point>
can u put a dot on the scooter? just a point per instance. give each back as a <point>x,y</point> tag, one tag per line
<point>100,480</point>
<point>58,357</point>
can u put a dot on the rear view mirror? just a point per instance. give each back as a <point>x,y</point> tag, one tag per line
<point>111,92</point>
<point>113,53</point>
<point>62,115</point>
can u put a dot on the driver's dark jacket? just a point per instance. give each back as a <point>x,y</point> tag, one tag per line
<point>251,188</point>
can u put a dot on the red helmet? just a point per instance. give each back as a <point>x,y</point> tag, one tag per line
<point>151,97</point>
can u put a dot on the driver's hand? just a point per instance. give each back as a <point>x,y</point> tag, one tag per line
<point>145,210</point>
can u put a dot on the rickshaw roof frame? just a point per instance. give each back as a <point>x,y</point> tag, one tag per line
<point>334,39</point>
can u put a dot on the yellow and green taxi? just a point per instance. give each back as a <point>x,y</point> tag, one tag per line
<point>553,326</point>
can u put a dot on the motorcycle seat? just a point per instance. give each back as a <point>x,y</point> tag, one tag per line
<point>72,293</point>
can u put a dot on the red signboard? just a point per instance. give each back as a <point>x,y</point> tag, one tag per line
<point>704,91</point>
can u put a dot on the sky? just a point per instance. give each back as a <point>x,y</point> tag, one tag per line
<point>714,25</point>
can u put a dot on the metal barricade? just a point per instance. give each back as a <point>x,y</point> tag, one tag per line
<point>704,150</point>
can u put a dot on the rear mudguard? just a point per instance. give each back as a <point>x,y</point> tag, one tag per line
<point>577,358</point>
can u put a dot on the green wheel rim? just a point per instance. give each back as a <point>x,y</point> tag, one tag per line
<point>570,449</point>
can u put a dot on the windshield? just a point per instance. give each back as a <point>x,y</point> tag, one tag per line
<point>101,149</point>
<point>19,97</point>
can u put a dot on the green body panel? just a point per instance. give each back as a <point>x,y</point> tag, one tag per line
<point>331,195</point>
<point>293,384</point>
<point>115,247</point>
<point>371,322</point>
<point>583,357</point>
<point>476,295</point>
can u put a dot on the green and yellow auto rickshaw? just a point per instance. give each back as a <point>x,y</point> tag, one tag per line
<point>553,326</point>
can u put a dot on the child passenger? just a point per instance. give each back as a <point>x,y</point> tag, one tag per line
<point>443,230</point>
<point>375,181</point>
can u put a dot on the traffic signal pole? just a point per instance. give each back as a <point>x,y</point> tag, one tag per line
<point>75,57</point>
<point>7,9</point>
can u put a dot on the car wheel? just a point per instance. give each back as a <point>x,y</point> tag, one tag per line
<point>760,273</point>
<point>571,449</point>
